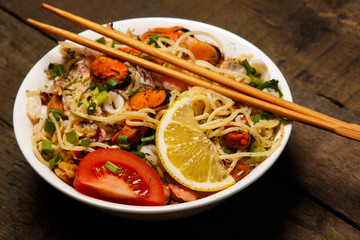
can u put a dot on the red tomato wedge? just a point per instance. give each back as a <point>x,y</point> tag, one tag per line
<point>136,184</point>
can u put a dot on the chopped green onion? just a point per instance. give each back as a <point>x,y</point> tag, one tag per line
<point>258,149</point>
<point>111,83</point>
<point>112,167</point>
<point>284,120</point>
<point>93,85</point>
<point>85,101</point>
<point>154,38</point>
<point>101,40</point>
<point>148,140</point>
<point>46,146</point>
<point>57,113</point>
<point>101,97</point>
<point>230,150</point>
<point>113,43</point>
<point>60,69</point>
<point>91,108</point>
<point>139,154</point>
<point>133,92</point>
<point>49,126</point>
<point>54,161</point>
<point>255,118</point>
<point>101,87</point>
<point>267,115</point>
<point>96,91</point>
<point>122,139</point>
<point>124,146</point>
<point>85,141</point>
<point>72,137</point>
<point>53,73</point>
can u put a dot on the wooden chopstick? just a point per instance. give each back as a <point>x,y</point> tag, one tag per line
<point>248,90</point>
<point>290,114</point>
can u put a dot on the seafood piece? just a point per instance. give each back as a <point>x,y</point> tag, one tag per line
<point>85,129</point>
<point>33,106</point>
<point>103,68</point>
<point>172,33</point>
<point>206,52</point>
<point>173,84</point>
<point>66,171</point>
<point>149,98</point>
<point>151,154</point>
<point>80,70</point>
<point>201,50</point>
<point>179,192</point>
<point>114,103</point>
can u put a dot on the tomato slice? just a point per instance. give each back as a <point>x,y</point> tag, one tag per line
<point>137,183</point>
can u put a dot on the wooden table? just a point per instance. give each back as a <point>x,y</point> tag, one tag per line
<point>312,192</point>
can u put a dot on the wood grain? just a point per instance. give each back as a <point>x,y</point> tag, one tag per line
<point>312,192</point>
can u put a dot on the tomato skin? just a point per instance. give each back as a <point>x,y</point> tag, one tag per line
<point>94,180</point>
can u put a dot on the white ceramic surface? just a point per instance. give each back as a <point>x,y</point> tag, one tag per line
<point>233,46</point>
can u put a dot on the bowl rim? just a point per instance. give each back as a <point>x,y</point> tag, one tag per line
<point>48,175</point>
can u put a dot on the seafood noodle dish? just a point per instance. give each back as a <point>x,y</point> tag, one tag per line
<point>121,133</point>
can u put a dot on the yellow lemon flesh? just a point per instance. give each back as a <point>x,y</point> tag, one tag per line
<point>186,153</point>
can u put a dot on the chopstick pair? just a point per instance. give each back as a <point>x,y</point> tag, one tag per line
<point>250,96</point>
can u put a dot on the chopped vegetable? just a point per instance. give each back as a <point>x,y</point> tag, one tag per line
<point>72,137</point>
<point>148,140</point>
<point>255,118</point>
<point>258,149</point>
<point>49,126</point>
<point>111,83</point>
<point>139,154</point>
<point>112,167</point>
<point>101,97</point>
<point>91,108</point>
<point>47,146</point>
<point>101,40</point>
<point>123,139</point>
<point>113,43</point>
<point>229,150</point>
<point>54,161</point>
<point>273,84</point>
<point>55,105</point>
<point>85,141</point>
<point>57,113</point>
<point>154,38</point>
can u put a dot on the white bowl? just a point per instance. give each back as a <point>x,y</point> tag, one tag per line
<point>233,46</point>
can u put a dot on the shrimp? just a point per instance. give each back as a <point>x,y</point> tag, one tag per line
<point>33,107</point>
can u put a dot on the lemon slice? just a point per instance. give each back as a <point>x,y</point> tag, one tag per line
<point>186,153</point>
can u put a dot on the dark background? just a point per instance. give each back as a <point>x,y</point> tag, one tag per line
<point>312,192</point>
